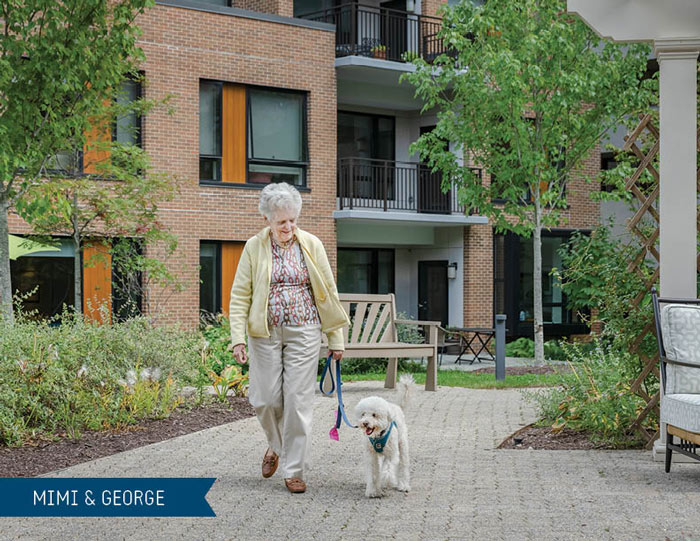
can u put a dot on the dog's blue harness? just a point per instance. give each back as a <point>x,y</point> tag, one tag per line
<point>379,443</point>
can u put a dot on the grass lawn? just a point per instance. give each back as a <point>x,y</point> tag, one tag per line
<point>457,378</point>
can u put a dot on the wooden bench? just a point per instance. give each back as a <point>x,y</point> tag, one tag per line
<point>372,333</point>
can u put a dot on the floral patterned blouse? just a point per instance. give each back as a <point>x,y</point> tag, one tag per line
<point>291,300</point>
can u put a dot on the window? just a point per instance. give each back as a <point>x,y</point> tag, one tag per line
<point>210,97</point>
<point>513,285</point>
<point>125,130</point>
<point>218,261</point>
<point>362,135</point>
<point>365,270</point>
<point>48,276</point>
<point>127,127</point>
<point>276,137</point>
<point>252,135</point>
<point>365,144</point>
<point>210,277</point>
<point>127,284</point>
<point>607,163</point>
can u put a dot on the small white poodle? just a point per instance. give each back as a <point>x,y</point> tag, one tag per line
<point>387,458</point>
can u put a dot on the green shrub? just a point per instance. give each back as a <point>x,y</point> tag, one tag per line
<point>521,347</point>
<point>365,365</point>
<point>557,350</point>
<point>217,340</point>
<point>593,397</point>
<point>61,379</point>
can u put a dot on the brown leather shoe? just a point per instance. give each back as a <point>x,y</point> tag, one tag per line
<point>269,463</point>
<point>295,485</point>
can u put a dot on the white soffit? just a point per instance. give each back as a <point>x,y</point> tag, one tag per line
<point>640,20</point>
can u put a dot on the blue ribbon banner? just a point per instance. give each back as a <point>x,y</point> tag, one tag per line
<point>105,497</point>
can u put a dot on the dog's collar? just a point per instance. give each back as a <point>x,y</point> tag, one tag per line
<point>379,443</point>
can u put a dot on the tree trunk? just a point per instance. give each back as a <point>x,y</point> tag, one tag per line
<point>77,260</point>
<point>537,281</point>
<point>5,279</point>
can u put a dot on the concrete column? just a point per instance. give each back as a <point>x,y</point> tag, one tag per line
<point>678,187</point>
<point>678,151</point>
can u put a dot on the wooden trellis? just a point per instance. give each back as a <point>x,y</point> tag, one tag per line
<point>646,194</point>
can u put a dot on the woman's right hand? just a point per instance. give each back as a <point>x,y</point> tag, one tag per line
<point>240,354</point>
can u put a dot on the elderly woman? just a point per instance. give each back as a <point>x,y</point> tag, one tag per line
<point>284,292</point>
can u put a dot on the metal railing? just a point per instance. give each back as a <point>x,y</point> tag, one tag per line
<point>390,185</point>
<point>381,33</point>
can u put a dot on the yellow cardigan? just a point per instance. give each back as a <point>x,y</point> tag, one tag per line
<point>251,289</point>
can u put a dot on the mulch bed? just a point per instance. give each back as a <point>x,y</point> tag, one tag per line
<point>522,370</point>
<point>40,457</point>
<point>542,437</point>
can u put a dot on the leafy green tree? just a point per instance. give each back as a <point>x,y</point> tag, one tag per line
<point>526,91</point>
<point>93,212</point>
<point>60,63</point>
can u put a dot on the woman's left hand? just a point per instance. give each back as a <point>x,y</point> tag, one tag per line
<point>337,354</point>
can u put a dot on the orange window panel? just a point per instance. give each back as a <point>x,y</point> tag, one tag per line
<point>233,134</point>
<point>544,186</point>
<point>97,281</point>
<point>93,155</point>
<point>230,256</point>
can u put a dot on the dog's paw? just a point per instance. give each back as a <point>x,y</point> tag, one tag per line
<point>403,487</point>
<point>371,493</point>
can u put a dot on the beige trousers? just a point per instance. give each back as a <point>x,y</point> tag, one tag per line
<point>282,378</point>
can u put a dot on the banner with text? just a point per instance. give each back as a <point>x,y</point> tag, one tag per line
<point>105,497</point>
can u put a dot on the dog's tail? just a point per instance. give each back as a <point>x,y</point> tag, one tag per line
<point>403,388</point>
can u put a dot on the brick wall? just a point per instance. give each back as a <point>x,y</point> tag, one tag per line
<point>431,7</point>
<point>278,7</point>
<point>183,46</point>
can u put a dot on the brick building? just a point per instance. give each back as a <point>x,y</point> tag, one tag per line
<point>270,90</point>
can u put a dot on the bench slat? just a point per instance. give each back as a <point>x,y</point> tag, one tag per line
<point>371,318</point>
<point>381,322</point>
<point>360,311</point>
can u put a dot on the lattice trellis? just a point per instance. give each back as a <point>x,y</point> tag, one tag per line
<point>646,194</point>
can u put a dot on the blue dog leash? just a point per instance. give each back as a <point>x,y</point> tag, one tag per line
<point>335,386</point>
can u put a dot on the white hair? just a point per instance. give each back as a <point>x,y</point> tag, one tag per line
<point>279,196</point>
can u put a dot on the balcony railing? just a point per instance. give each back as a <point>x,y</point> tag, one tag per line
<point>390,185</point>
<point>381,33</point>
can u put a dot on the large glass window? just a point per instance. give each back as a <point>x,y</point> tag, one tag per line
<point>514,290</point>
<point>365,270</point>
<point>252,135</point>
<point>210,95</point>
<point>210,277</point>
<point>127,281</point>
<point>553,302</point>
<point>366,136</point>
<point>276,137</point>
<point>127,128</point>
<point>45,280</point>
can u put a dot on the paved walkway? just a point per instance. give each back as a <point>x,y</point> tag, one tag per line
<point>462,488</point>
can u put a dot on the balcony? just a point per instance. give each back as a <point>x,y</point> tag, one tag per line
<point>386,34</point>
<point>387,185</point>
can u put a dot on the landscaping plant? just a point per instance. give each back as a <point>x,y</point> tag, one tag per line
<point>594,397</point>
<point>62,379</point>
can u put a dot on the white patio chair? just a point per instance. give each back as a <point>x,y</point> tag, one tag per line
<point>678,333</point>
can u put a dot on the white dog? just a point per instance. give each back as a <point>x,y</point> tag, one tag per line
<point>387,458</point>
